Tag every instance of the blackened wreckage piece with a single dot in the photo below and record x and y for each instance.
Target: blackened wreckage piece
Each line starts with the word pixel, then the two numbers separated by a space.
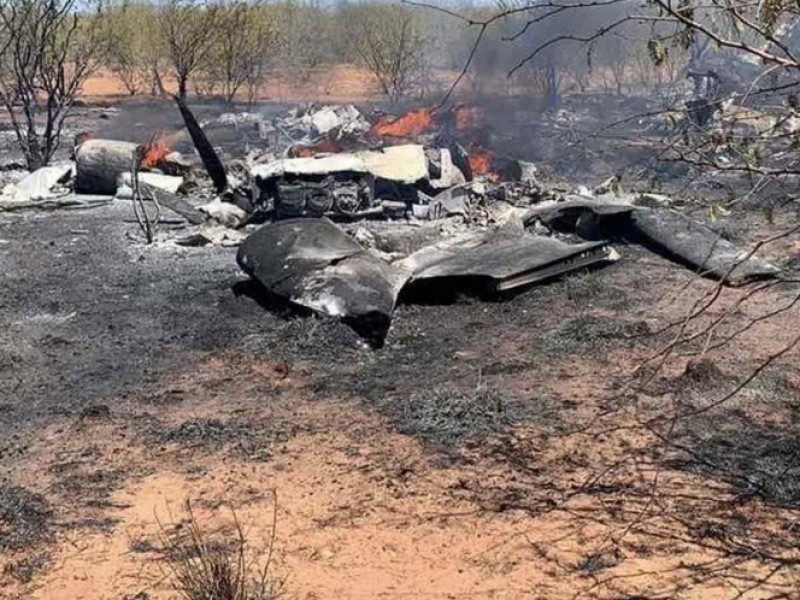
pixel 315 263
pixel 205 150
pixel 675 236
pixel 661 230
pixel 500 264
pixel 225 186
pixel 99 164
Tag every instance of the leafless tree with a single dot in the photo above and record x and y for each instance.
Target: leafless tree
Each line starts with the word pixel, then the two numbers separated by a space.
pixel 154 48
pixel 47 50
pixel 190 31
pixel 243 50
pixel 390 43
pixel 618 56
pixel 304 36
pixel 128 44
pixel 662 81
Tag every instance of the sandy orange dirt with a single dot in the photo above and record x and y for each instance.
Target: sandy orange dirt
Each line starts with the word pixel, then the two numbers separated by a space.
pixel 366 512
pixel 137 378
pixel 329 84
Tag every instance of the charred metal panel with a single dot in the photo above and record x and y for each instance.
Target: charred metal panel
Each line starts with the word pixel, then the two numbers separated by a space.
pixel 315 264
pixel 693 243
pixel 506 263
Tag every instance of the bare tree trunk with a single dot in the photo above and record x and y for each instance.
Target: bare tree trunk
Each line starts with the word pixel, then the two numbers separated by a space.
pixel 182 86
pixel 158 83
pixel 34 157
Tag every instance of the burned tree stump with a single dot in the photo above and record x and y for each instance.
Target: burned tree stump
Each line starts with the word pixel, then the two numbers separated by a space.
pixel 99 163
pixel 208 155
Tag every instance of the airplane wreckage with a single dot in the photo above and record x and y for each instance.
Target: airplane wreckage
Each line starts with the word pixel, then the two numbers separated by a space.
pixel 353 212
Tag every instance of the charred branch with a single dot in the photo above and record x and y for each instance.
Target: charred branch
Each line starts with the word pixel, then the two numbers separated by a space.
pixel 174 203
pixel 211 161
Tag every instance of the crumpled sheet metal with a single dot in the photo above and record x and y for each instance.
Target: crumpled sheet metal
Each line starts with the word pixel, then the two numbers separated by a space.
pixel 662 230
pixel 575 204
pixel 346 118
pixel 671 233
pixel 168 183
pixel 313 165
pixel 404 164
pixel 38 186
pixel 306 124
pixel 587 217
pixel 449 174
pixel 315 264
pixel 505 262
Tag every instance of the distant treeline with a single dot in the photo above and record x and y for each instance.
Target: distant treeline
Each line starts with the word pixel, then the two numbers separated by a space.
pixel 232 48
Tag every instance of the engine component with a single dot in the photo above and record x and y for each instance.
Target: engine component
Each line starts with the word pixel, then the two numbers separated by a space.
pixel 342 194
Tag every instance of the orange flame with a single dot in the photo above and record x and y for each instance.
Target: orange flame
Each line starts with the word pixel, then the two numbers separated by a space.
pixel 156 151
pixel 481 163
pixel 410 124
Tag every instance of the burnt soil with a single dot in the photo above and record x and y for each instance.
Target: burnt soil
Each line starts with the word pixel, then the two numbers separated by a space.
pixel 125 366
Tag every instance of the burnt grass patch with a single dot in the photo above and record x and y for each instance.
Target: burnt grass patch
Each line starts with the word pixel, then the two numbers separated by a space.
pixel 425 338
pixel 26 568
pixel 751 442
pixel 246 439
pixel 89 488
pixel 588 333
pixel 322 340
pixel 593 288
pixel 25 518
pixel 754 458
pixel 438 347
pixel 448 415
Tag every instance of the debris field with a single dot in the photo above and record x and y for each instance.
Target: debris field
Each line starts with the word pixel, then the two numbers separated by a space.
pixel 341 214
pixel 398 327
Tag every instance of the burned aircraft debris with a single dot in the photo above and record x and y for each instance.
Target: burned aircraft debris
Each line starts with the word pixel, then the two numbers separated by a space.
pixel 315 264
pixel 341 185
pixel 205 150
pixel 100 163
pixel 503 263
pixel 357 209
pixel 692 243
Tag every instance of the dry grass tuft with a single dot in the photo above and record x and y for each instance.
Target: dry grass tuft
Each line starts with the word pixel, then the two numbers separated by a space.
pixel 202 568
